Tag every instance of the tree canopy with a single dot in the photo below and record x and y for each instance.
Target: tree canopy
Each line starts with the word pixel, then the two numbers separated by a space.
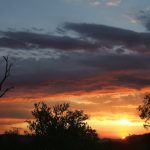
pixel 59 124
pixel 60 121
pixel 144 110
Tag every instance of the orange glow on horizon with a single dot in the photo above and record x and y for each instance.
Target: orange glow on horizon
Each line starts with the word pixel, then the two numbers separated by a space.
pixel 111 114
pixel 118 128
pixel 114 91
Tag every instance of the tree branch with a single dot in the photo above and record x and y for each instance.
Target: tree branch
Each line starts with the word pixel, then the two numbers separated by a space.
pixel 7 72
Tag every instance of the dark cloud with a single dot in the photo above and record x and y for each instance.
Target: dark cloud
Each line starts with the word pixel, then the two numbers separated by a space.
pixel 144 17
pixel 132 81
pixel 30 40
pixel 109 36
pixel 12 43
pixel 118 62
pixel 78 72
pixel 75 71
pixel 120 50
pixel 89 37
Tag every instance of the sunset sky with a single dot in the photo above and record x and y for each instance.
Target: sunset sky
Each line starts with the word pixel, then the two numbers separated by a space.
pixel 94 54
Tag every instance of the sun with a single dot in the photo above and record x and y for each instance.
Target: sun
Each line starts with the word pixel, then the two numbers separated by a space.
pixel 124 122
pixel 123 138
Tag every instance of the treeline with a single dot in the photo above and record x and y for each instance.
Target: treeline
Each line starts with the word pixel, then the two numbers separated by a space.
pixel 28 142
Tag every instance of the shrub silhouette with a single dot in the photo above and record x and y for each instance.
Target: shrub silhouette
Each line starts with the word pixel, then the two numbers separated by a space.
pixel 57 119
pixel 144 110
pixel 12 132
pixel 58 124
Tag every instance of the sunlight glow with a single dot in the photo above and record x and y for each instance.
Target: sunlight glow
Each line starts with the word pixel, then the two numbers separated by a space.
pixel 124 122
pixel 123 137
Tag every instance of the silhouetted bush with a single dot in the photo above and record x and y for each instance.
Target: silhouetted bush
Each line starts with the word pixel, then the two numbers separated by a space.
pixel 12 132
pixel 61 127
pixel 144 110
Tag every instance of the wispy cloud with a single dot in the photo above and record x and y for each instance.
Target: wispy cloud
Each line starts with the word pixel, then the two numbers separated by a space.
pixel 113 2
pixel 109 3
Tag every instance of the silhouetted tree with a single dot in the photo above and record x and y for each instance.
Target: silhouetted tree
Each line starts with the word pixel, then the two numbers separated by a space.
pixel 144 110
pixel 60 121
pixel 7 70
pixel 13 131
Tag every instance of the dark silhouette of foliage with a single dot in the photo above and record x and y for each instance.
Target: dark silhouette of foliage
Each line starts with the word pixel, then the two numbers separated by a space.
pixel 7 71
pixel 14 131
pixel 58 124
pixel 144 110
pixel 59 120
pixel 23 142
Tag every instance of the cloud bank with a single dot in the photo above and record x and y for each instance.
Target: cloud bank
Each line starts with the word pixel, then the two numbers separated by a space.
pixel 84 57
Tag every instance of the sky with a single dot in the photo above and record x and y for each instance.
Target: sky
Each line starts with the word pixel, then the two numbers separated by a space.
pixel 93 54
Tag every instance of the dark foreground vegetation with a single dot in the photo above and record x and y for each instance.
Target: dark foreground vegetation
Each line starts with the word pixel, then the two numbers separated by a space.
pixel 20 142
